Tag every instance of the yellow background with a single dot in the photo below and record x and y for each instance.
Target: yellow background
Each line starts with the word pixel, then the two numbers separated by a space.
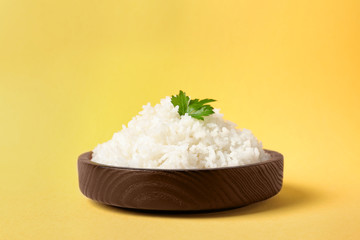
pixel 72 72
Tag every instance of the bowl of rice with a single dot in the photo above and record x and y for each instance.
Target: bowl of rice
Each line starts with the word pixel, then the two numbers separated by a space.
pixel 167 161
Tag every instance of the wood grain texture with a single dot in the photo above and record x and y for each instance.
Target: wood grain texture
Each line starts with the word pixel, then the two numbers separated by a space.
pixel 180 190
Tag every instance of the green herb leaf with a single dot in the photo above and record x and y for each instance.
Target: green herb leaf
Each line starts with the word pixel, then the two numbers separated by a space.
pixel 195 108
pixel 182 101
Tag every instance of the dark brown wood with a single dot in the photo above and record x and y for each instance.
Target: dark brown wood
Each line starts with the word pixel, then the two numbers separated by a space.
pixel 180 189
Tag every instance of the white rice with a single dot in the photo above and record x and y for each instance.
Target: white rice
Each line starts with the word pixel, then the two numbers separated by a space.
pixel 160 138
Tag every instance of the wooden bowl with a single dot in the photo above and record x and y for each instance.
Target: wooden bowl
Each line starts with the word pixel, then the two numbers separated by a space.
pixel 180 189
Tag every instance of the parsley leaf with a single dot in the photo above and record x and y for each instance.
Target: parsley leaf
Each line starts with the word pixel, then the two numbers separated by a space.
pixel 195 108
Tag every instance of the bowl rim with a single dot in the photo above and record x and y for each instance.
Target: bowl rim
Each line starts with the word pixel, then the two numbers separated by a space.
pixel 274 156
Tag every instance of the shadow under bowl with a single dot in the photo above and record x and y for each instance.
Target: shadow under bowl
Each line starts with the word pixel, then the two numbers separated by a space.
pixel 180 189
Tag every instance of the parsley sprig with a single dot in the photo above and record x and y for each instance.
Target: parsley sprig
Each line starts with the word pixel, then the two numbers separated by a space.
pixel 195 108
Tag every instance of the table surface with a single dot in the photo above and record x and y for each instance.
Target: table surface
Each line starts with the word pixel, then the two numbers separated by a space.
pixel 72 72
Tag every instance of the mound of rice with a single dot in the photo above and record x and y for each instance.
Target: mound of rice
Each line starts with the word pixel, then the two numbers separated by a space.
pixel 160 138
